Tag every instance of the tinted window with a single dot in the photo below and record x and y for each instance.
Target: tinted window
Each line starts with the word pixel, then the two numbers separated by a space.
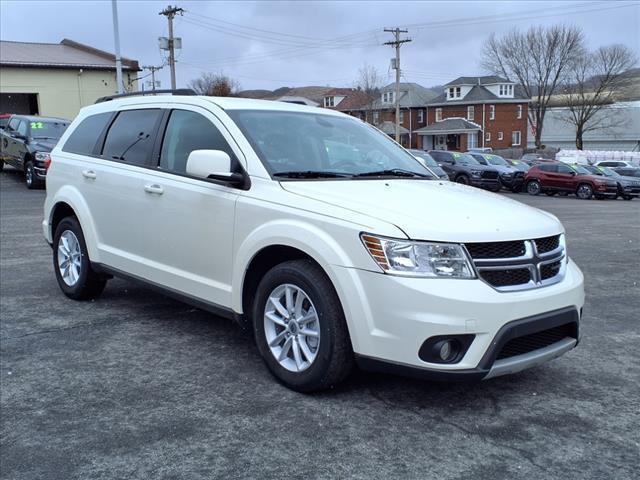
pixel 83 139
pixel 130 138
pixel 547 168
pixel 22 128
pixel 13 124
pixel 564 169
pixel 188 131
pixel 440 156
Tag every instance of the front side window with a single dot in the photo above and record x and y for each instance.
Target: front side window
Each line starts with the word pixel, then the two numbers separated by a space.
pixel 188 131
pixel 130 138
pixel 515 138
pixel 22 128
pixel 13 124
pixel 564 169
pixel 84 137
pixel 290 142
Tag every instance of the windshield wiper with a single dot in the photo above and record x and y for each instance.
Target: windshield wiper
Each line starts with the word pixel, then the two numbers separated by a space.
pixel 311 174
pixel 393 172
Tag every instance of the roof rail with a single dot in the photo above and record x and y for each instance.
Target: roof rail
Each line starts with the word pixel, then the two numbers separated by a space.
pixel 179 91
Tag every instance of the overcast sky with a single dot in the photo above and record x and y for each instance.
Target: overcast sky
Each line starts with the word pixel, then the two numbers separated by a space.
pixel 272 44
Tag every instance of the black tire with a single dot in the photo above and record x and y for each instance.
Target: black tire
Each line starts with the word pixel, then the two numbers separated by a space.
pixel 517 189
pixel 90 283
pixel 534 187
pixel 584 191
pixel 463 179
pixel 627 197
pixel 30 179
pixel 1 165
pixel 334 355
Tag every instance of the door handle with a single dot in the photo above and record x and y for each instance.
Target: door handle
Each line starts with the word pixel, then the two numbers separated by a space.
pixel 154 188
pixel 89 174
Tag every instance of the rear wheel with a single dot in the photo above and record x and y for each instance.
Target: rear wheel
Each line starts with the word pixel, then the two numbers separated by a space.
pixel 71 263
pixel 627 197
pixel 299 327
pixel 584 191
pixel 533 187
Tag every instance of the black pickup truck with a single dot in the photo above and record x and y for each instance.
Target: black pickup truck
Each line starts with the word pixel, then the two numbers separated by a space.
pixel 25 143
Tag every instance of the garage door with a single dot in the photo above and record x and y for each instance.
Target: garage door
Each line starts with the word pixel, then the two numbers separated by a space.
pixel 19 103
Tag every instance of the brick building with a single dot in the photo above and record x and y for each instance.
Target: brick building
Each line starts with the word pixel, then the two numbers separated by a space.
pixel 473 112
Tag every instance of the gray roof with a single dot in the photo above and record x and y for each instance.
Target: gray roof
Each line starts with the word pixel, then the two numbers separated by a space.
pixel 478 80
pixel 480 94
pixel 390 128
pixel 66 54
pixel 411 95
pixel 449 125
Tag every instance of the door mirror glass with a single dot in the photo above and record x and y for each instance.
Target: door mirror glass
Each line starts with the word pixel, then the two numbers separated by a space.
pixel 209 164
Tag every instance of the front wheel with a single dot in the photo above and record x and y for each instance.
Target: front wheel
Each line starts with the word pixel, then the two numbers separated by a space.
pixel 1 165
pixel 74 274
pixel 533 187
pixel 463 179
pixel 584 191
pixel 627 197
pixel 30 179
pixel 299 327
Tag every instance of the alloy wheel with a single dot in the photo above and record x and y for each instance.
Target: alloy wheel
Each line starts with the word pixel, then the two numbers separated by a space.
pixel 584 192
pixel 69 258
pixel 533 188
pixel 292 327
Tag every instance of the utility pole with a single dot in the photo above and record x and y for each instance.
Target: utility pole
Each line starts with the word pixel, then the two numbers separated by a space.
pixel 116 35
pixel 397 42
pixel 153 75
pixel 171 12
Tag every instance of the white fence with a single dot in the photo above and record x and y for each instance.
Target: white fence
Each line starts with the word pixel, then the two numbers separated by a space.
pixel 589 157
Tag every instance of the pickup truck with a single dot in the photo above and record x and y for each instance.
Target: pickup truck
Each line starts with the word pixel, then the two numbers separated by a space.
pixel 25 143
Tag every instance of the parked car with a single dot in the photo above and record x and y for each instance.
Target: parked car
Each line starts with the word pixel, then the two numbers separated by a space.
pixel 25 144
pixel 518 165
pixel 613 164
pixel 552 178
pixel 510 177
pixel 428 161
pixel 237 206
pixel 628 187
pixel 628 171
pixel 481 149
pixel 463 168
pixel 4 119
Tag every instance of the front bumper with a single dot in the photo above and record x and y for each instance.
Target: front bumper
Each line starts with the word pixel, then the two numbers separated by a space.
pixel 514 181
pixel 488 183
pixel 391 317
pixel 606 190
pixel 631 190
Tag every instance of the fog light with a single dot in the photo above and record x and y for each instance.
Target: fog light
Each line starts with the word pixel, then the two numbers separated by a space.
pixel 446 350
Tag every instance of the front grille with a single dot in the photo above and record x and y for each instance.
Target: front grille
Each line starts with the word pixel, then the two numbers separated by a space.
pixel 549 270
pixel 506 278
pixel 490 175
pixel 496 249
pixel 547 244
pixel 536 341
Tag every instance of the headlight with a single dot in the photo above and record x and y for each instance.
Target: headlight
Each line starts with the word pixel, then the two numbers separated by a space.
pixel 476 173
pixel 420 259
pixel 42 156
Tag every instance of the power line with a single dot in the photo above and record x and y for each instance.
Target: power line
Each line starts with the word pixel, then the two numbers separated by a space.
pixel 170 12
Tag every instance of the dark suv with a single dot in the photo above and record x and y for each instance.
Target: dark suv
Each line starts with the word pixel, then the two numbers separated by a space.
pixel 463 168
pixel 552 178
pixel 628 187
pixel 510 177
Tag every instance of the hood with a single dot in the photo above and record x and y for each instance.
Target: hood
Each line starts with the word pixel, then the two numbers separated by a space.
pixel 43 145
pixel 433 210
pixel 598 178
pixel 628 180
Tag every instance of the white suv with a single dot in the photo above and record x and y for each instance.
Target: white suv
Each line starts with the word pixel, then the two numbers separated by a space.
pixel 335 244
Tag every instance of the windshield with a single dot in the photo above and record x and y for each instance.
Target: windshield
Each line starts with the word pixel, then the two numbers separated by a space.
pixel 495 160
pixel 47 129
pixel 607 172
pixel 425 157
pixel 465 159
pixel 519 165
pixel 319 145
pixel 581 170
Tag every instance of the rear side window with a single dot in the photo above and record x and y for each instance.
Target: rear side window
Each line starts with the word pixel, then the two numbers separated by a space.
pixel 83 139
pixel 130 138
pixel 188 131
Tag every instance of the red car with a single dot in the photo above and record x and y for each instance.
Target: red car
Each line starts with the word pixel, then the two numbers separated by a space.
pixel 557 177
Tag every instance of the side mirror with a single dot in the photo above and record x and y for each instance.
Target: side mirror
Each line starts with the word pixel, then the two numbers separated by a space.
pixel 572 173
pixel 213 165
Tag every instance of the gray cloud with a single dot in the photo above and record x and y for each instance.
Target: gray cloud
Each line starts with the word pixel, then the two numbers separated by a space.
pixel 311 48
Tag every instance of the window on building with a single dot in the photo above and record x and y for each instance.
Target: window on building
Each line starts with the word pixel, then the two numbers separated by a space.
pixel 438 114
pixel 420 116
pixel 510 89
pixel 329 101
pixel 457 92
pixel 401 116
pixel 515 138
pixel 487 137
pixel 83 139
pixel 188 131
pixel 519 112
pixel 500 136
pixel 501 90
pixel 472 140
pixel 470 112
pixel 376 117
pixel 451 92
pixel 130 138
pixel 492 112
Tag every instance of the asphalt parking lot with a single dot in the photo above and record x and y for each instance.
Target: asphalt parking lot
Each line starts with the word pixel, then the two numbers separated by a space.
pixel 136 385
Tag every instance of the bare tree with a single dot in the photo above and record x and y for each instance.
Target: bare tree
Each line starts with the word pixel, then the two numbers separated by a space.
pixel 538 59
pixel 369 84
pixel 214 85
pixel 590 89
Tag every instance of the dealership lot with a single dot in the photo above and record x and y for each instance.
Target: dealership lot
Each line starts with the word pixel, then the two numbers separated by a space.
pixel 136 385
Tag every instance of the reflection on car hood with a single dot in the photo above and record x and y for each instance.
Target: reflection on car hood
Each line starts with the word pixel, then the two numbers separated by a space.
pixel 43 145
pixel 433 210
